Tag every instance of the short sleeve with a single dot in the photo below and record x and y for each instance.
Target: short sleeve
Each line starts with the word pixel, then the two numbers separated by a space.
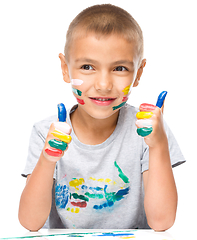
pixel 176 155
pixel 36 145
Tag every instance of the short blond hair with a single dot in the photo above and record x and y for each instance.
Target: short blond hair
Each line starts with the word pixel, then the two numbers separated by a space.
pixel 103 20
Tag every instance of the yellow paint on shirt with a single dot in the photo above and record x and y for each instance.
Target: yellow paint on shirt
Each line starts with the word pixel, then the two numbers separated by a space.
pixel 76 182
pixel 100 180
pixel 76 210
pixel 107 180
pixel 91 178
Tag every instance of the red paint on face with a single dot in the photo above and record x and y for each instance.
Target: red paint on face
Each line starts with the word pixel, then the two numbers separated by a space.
pixel 124 99
pixel 80 101
pixel 79 204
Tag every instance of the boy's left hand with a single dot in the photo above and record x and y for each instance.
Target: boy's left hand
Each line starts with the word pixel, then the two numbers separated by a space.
pixel 154 120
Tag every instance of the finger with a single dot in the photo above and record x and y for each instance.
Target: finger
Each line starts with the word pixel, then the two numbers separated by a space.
pixel 142 115
pixel 161 99
pixel 145 107
pixel 54 143
pixel 53 152
pixel 144 123
pixel 62 136
pixel 162 108
pixel 63 127
pixel 144 127
pixel 143 132
pixel 61 112
pixel 60 130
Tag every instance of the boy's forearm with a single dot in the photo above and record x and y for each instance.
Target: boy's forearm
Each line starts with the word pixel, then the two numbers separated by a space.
pixel 160 191
pixel 36 199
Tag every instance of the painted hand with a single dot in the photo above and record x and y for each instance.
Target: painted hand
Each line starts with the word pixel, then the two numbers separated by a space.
pixel 150 121
pixel 54 148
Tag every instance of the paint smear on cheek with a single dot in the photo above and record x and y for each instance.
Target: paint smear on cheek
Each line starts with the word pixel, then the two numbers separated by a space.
pixel 76 82
pixel 80 101
pixel 126 90
pixel 77 91
pixel 124 99
pixel 119 106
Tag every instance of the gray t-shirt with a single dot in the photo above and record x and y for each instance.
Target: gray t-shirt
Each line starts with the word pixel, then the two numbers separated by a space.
pixel 99 186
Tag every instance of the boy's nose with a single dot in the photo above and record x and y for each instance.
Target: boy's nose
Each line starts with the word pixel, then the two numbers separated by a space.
pixel 103 83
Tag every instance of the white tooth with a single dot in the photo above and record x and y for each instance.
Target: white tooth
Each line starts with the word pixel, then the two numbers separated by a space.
pixel 102 99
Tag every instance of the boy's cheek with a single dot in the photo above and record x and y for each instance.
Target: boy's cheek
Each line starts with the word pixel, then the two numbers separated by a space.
pixel 126 93
pixel 77 89
pixel 127 89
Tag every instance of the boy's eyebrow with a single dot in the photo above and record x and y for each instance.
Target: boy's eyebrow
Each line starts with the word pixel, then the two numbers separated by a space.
pixel 123 62
pixel 85 60
pixel 96 62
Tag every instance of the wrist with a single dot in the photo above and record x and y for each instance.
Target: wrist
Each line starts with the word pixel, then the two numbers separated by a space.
pixel 46 161
pixel 160 145
pixel 159 153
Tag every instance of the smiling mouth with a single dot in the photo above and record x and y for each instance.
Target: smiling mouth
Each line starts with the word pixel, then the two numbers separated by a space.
pixel 103 99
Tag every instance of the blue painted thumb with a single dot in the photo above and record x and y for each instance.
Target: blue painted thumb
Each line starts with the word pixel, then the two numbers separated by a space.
pixel 61 112
pixel 161 99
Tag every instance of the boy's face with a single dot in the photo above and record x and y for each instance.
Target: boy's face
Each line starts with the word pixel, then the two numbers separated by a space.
pixel 102 72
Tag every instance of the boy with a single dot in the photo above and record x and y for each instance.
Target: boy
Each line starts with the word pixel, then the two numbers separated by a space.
pixel 108 176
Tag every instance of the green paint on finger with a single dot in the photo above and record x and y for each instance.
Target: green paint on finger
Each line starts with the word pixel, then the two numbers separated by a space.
pixel 143 132
pixel 58 144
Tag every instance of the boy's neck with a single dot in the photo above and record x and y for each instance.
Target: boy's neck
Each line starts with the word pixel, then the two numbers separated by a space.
pixel 92 131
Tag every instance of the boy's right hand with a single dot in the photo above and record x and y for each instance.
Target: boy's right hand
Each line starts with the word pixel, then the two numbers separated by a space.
pixel 58 137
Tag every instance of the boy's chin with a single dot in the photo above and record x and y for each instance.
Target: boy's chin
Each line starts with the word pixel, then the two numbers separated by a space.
pixel 100 114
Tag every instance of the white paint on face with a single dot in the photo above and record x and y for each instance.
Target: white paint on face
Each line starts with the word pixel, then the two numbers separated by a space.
pixel 76 82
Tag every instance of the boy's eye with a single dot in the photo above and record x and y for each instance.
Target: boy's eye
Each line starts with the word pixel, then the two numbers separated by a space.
pixel 120 68
pixel 87 67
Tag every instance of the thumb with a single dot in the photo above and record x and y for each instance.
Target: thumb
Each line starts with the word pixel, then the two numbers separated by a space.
pixel 61 124
pixel 162 108
pixel 61 112
pixel 160 100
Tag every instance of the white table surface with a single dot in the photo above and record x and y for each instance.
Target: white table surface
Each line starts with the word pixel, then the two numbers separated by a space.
pixel 60 234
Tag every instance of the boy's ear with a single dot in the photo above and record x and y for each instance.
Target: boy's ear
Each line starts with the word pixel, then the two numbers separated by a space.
pixel 64 68
pixel 139 73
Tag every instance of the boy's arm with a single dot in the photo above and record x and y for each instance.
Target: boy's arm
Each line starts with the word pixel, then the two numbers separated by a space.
pixel 160 199
pixel 36 199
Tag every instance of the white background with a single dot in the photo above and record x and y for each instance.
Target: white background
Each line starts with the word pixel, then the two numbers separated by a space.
pixel 32 34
